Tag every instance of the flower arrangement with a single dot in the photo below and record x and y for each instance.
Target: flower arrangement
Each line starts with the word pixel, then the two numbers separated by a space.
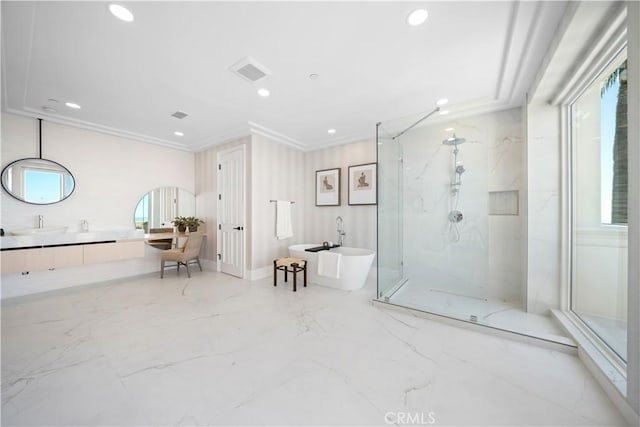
pixel 182 222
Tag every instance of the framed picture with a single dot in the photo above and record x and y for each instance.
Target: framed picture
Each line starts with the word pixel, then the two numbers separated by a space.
pixel 328 187
pixel 363 184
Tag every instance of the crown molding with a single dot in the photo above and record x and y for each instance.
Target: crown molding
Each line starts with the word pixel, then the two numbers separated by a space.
pixel 235 132
pixel 258 129
pixel 34 113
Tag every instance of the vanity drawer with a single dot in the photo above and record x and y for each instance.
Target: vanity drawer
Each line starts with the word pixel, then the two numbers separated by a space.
pixel 118 251
pixel 22 260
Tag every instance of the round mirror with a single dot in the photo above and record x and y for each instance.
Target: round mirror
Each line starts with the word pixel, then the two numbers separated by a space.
pixel 37 181
pixel 158 208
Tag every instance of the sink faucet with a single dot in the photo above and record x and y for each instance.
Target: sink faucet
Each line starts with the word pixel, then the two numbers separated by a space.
pixel 340 230
pixel 40 221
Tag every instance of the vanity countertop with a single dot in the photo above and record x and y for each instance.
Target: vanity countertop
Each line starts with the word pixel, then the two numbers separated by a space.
pixel 67 239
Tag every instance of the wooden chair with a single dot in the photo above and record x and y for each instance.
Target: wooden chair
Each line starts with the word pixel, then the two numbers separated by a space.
pixel 189 253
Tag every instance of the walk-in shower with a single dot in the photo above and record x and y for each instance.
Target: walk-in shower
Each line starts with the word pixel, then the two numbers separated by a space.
pixel 449 225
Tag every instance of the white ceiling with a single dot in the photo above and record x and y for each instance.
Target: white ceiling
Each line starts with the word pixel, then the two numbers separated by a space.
pixel 372 66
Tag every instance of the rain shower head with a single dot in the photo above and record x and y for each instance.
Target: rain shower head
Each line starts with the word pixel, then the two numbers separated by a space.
pixel 453 140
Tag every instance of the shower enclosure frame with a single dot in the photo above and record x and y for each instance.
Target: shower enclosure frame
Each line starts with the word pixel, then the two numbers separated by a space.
pixel 475 279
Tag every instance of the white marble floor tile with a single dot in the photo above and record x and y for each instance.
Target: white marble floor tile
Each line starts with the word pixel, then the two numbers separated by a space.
pixel 490 312
pixel 215 350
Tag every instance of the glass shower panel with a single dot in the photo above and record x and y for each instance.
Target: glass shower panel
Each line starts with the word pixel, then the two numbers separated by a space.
pixel 390 266
pixel 449 224
pixel 445 217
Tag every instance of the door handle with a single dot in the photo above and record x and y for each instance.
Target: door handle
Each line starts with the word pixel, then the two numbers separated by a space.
pixel 238 228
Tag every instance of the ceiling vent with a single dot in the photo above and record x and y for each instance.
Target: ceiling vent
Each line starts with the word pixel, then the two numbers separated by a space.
pixel 179 115
pixel 250 69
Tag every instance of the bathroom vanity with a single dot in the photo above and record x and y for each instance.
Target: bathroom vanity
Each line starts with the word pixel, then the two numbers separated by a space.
pixel 23 254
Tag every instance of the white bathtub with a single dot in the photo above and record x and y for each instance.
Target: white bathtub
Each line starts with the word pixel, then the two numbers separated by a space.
pixel 354 266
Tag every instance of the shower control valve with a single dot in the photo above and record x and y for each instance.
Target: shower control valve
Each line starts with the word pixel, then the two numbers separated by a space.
pixel 455 216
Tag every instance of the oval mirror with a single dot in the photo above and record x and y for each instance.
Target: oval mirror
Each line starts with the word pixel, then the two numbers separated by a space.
pixel 37 181
pixel 158 208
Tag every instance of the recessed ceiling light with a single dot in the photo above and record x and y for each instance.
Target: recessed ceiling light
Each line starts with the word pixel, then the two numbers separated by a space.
pixel 49 109
pixel 178 133
pixel 442 101
pixel 417 17
pixel 263 92
pixel 53 100
pixel 443 112
pixel 121 12
pixel 331 131
pixel 313 76
pixel 72 105
pixel 449 129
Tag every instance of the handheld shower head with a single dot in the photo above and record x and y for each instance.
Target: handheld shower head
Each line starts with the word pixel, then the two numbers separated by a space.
pixel 460 169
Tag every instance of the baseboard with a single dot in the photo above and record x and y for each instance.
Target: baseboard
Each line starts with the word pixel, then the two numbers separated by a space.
pixel 259 273
pixel 209 264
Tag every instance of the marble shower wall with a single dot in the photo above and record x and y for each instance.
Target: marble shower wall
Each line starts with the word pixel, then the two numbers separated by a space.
pixel 481 256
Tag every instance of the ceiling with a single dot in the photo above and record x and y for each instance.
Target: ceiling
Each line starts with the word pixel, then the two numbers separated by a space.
pixel 130 77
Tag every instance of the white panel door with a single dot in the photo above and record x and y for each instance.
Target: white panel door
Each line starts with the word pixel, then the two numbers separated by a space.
pixel 231 207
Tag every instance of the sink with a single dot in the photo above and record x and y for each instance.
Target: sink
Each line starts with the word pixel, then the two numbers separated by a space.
pixel 45 230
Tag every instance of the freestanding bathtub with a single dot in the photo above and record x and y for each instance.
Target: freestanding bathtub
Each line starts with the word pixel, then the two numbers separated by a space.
pixel 354 266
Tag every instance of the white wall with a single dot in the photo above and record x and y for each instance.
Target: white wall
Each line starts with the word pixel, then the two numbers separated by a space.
pixel 320 221
pixel 273 171
pixel 277 174
pixel 111 175
pixel 543 207
pixel 581 31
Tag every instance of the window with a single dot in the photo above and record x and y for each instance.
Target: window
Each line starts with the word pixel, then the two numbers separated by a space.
pixel 613 166
pixel 599 233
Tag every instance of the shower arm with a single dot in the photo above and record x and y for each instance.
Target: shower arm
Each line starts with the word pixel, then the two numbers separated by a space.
pixel 416 123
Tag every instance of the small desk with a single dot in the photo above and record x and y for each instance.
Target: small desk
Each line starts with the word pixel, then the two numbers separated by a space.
pixel 166 236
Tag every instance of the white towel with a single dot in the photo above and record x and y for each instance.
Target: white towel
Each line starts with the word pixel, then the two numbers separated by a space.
pixel 329 264
pixel 284 229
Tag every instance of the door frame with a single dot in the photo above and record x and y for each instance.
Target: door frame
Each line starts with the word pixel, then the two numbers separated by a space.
pixel 243 149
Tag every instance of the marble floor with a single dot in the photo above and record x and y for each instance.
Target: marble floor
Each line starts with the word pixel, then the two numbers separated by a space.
pixel 214 350
pixel 492 312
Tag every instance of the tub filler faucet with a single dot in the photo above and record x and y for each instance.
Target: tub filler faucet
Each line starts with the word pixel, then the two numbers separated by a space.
pixel 340 230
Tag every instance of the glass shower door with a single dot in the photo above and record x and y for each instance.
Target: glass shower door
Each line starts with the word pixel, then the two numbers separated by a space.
pixel 390 265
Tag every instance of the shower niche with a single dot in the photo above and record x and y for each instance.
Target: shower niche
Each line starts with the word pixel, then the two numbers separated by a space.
pixel 443 247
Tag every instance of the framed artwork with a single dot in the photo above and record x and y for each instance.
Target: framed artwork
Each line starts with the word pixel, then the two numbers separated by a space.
pixel 363 184
pixel 328 187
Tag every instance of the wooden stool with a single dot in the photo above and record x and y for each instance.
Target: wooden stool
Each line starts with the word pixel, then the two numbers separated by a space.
pixel 290 265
